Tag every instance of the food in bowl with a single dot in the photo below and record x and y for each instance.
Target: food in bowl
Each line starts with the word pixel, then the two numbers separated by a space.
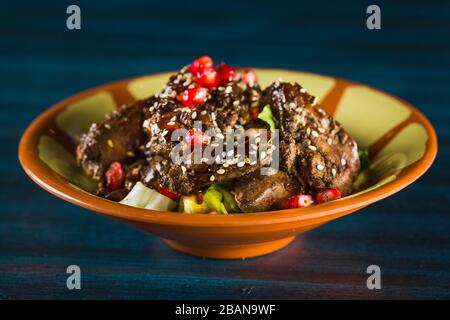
pixel 285 151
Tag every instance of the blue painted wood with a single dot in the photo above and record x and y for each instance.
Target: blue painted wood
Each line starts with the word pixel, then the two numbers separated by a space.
pixel 42 62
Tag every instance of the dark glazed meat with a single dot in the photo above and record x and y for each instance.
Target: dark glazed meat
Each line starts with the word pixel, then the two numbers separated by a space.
pixel 117 138
pixel 226 107
pixel 314 148
pixel 260 193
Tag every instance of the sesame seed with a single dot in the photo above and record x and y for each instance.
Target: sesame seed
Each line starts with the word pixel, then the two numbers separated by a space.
pixel 241 164
pixel 107 126
pixel 225 165
pixel 130 154
pixel 314 133
pixel 333 171
pixel 308 131
pixel 229 89
pixel 149 176
pixel 170 123
pixel 321 130
pixel 212 178
pixel 313 148
pixel 110 143
pixel 221 171
pixel 183 168
pixel 330 141
pixel 302 90
pixel 343 162
pixel 203 112
pixel 236 103
pixel 320 167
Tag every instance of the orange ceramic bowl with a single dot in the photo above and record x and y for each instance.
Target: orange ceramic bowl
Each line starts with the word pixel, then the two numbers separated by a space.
pixel 401 141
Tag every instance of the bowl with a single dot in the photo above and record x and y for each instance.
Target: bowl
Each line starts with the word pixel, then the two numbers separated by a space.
pixel 401 141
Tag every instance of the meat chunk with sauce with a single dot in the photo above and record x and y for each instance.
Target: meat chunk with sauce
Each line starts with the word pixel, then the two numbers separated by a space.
pixel 314 148
pixel 226 107
pixel 117 138
pixel 256 193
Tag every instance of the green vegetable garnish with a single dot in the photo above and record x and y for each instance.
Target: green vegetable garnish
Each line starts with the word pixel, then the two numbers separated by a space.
pixel 220 200
pixel 213 199
pixel 228 199
pixel 267 116
pixel 188 204
pixel 142 197
pixel 364 158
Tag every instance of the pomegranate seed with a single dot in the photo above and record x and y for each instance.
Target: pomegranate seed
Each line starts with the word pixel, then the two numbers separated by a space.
pixel 115 176
pixel 166 192
pixel 227 73
pixel 194 137
pixel 249 77
pixel 192 97
pixel 208 78
pixel 328 194
pixel 298 201
pixel 254 112
pixel 200 63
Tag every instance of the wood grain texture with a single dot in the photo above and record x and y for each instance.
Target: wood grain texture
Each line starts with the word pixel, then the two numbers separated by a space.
pixel 41 62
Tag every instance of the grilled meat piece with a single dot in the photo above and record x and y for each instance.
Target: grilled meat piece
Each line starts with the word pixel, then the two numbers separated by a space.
pixel 226 107
pixel 117 138
pixel 314 148
pixel 260 193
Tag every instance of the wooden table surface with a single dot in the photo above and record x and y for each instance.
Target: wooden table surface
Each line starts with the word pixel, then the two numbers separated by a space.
pixel 41 62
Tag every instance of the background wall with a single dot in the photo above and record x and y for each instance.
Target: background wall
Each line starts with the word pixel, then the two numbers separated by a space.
pixel 42 62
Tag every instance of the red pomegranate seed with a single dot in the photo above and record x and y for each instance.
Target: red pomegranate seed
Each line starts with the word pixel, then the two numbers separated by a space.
pixel 200 63
pixel 192 97
pixel 194 137
pixel 208 78
pixel 254 112
pixel 249 77
pixel 227 73
pixel 328 194
pixel 115 176
pixel 299 201
pixel 166 192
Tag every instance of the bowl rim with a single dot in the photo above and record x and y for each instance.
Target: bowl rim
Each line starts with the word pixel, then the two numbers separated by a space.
pixel 41 174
